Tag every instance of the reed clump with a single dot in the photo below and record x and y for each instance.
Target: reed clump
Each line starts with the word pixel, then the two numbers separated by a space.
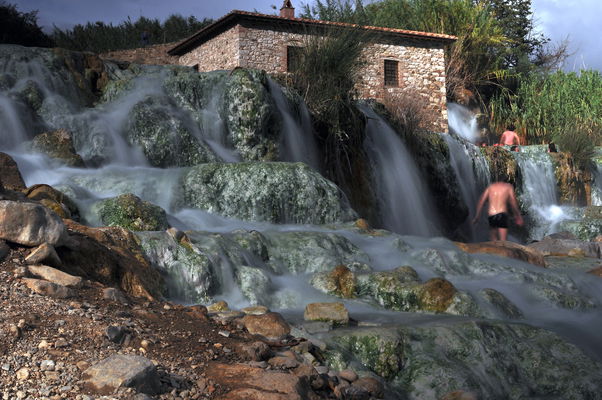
pixel 564 108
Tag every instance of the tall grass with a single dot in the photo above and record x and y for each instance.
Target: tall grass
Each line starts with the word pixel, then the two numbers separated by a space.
pixel 565 108
pixel 325 77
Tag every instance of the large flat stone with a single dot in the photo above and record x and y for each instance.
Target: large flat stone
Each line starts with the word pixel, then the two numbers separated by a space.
pixel 124 371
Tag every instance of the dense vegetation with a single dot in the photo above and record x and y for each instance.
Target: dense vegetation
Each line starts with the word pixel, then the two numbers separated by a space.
pixel 100 37
pixel 565 108
pixel 325 77
pixel 499 61
pixel 21 28
pixel 495 42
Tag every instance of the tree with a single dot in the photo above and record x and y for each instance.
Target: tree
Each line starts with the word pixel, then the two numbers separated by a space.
pixel 100 37
pixel 21 28
pixel 515 18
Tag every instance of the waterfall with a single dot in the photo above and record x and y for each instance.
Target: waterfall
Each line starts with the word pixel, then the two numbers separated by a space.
pixel 597 178
pixel 538 194
pixel 298 144
pixel 405 204
pixel 463 122
pixel 472 172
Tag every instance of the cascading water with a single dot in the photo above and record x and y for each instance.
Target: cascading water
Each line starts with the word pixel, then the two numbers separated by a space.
pixel 463 122
pixel 597 179
pixel 539 189
pixel 472 172
pixel 404 201
pixel 287 266
pixel 298 143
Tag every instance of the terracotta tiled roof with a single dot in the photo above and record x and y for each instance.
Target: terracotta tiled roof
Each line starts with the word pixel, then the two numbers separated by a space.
pixel 207 32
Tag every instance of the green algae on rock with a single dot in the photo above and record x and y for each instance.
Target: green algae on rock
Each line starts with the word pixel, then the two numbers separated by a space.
pixel 495 360
pixel 130 212
pixel 270 191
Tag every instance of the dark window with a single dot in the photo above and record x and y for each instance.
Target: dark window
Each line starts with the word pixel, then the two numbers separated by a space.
pixel 391 73
pixel 293 58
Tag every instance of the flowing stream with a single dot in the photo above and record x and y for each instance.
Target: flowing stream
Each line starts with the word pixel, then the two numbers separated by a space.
pixel 279 265
pixel 539 191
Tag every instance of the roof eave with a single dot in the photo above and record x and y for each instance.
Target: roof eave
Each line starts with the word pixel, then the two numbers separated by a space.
pixel 230 18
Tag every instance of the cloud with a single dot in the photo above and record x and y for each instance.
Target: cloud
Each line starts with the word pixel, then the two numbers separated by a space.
pixel 579 21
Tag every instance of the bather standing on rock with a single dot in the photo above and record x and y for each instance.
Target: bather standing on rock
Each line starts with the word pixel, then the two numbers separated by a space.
pixel 510 138
pixel 499 194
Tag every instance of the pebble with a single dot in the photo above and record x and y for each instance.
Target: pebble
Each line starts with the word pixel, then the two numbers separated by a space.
pixel 224 333
pixel 47 365
pixel 23 374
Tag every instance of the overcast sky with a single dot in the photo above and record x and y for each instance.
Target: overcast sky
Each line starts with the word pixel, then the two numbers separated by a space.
pixel 579 20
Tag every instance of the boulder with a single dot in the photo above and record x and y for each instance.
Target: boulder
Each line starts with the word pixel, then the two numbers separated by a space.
pixel 112 256
pixel 552 246
pixel 10 176
pixel 30 224
pixel 506 249
pixel 335 312
pixel 254 283
pixel 124 371
pixel 166 138
pixel 251 116
pixel 430 361
pixel 194 274
pixel 270 325
pixel 44 254
pixel 58 144
pixel 306 252
pixel 55 276
pixel 54 199
pixel 133 213
pixel 268 191
pixel 248 383
pixel 50 289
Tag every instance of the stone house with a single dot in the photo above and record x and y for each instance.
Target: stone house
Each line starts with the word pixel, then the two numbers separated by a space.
pixel 398 62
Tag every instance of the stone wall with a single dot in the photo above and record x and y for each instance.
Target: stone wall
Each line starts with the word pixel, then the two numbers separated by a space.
pixel 421 68
pixel 155 55
pixel 421 76
pixel 219 53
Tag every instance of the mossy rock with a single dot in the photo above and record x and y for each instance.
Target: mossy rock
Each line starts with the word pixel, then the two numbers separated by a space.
pixel 502 165
pixel 250 115
pixel 58 144
pixel 130 212
pixel 270 192
pixel 166 139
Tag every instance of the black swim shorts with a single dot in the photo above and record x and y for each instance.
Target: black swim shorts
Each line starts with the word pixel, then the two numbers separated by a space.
pixel 498 220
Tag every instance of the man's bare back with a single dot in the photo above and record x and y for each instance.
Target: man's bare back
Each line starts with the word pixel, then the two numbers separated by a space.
pixel 499 195
pixel 509 138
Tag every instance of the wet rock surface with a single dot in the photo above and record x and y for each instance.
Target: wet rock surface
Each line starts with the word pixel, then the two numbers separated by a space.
pixel 89 346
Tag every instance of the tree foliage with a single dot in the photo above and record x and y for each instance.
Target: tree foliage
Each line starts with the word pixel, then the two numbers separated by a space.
pixel 21 28
pixel 100 37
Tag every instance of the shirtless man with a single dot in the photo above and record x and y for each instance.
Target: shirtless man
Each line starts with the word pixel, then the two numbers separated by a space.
pixel 509 138
pixel 499 194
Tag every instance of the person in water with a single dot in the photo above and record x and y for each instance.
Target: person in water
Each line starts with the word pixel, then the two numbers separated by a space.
pixel 499 194
pixel 510 138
